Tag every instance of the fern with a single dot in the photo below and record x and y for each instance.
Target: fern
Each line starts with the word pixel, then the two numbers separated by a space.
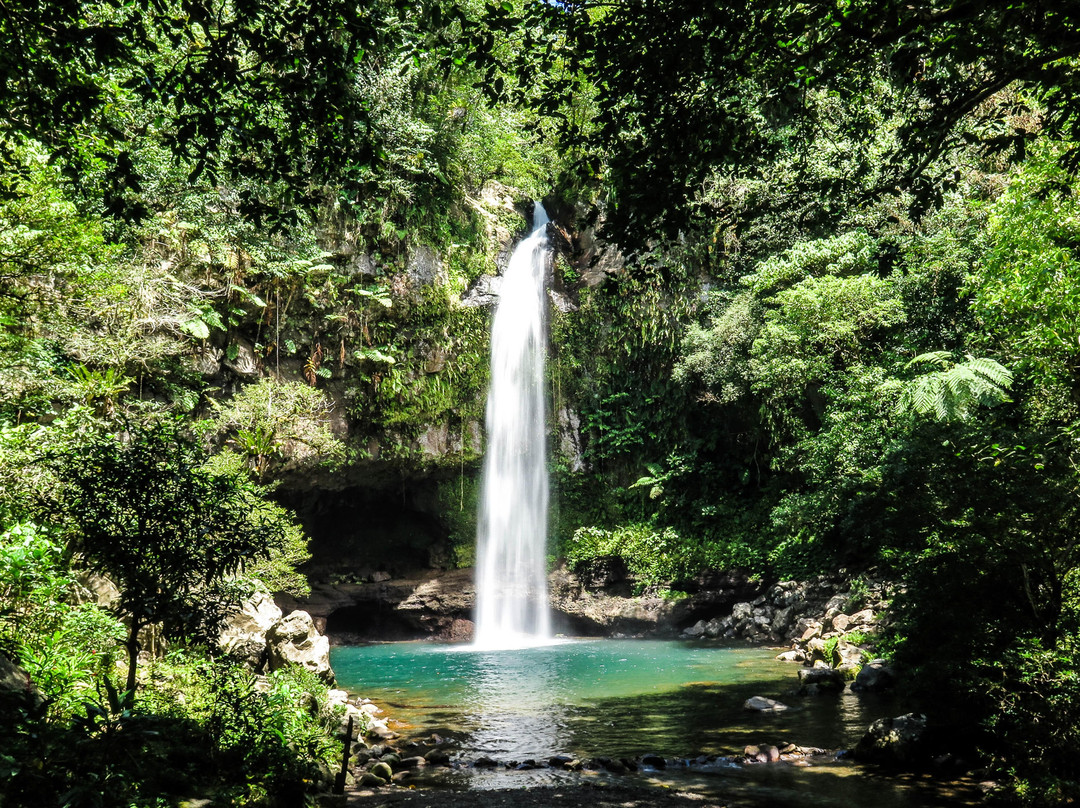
pixel 953 391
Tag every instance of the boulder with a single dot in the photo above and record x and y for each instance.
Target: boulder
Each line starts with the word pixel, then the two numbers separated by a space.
pixel 243 635
pixel 781 620
pixel 93 587
pixel 761 754
pixel 875 675
pixel 293 640
pixel 16 682
pixel 815 648
pixel 653 760
pixel 378 729
pixel 786 594
pixel 760 704
pixel 893 741
pixel 696 630
pixel 821 679
pixel 850 655
pixel 840 622
pixel 383 770
pixel 741 611
pixel 863 618
pixel 761 624
pixel 437 757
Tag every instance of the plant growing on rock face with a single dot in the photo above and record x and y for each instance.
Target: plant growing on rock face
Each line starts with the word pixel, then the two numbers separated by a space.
pixel 272 419
pixel 146 513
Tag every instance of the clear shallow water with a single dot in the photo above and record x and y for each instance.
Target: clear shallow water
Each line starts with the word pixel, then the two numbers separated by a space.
pixel 623 698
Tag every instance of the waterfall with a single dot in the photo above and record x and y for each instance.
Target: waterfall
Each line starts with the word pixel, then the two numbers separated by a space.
pixel 511 568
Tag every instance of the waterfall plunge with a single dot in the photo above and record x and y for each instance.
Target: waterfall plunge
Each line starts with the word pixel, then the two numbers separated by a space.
pixel 511 577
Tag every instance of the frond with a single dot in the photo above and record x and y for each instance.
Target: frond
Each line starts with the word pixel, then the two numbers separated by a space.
pixel 992 371
pixel 951 393
pixel 939 359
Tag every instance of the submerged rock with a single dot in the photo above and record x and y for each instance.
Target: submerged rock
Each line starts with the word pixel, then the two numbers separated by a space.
pixel 760 704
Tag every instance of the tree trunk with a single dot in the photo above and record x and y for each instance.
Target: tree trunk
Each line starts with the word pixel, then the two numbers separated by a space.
pixel 132 646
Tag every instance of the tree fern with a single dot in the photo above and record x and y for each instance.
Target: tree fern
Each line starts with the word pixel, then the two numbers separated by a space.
pixel 954 389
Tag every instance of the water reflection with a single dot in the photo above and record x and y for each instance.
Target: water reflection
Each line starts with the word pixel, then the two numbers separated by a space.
pixel 515 707
pixel 625 698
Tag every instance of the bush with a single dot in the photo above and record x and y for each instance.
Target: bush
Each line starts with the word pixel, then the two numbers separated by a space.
pixel 203 727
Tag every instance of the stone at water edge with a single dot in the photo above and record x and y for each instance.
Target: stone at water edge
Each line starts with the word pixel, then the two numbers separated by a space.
pixel 653 760
pixel 437 757
pixel 893 741
pixel 875 675
pixel 760 704
pixel 295 640
pixel 824 678
pixel 696 630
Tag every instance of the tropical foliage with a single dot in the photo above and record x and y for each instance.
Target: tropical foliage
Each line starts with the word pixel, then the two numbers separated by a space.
pixel 814 306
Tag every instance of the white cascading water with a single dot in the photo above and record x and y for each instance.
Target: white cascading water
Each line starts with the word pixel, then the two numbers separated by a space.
pixel 511 576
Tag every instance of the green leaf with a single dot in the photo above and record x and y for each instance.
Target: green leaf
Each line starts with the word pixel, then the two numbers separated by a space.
pixel 196 327
pixel 248 295
pixel 374 355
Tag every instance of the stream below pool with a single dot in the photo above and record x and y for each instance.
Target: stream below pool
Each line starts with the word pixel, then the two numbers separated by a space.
pixel 625 698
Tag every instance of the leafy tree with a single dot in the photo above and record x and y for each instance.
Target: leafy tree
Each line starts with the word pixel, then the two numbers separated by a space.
pixel 1025 290
pixel 688 93
pixel 255 93
pixel 144 512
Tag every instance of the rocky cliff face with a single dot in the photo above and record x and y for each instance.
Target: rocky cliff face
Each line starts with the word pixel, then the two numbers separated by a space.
pixel 386 509
pixel 438 605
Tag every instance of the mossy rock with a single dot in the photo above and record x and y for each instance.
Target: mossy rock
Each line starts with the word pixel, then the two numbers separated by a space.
pixel 383 771
pixel 367 779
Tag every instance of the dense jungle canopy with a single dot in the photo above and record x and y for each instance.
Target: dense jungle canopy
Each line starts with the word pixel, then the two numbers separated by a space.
pixel 821 267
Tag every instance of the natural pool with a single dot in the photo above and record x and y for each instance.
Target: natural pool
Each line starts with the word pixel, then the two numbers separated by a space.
pixel 623 698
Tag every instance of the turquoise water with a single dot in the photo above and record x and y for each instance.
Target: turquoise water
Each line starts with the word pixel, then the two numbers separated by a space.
pixel 623 698
pixel 587 697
